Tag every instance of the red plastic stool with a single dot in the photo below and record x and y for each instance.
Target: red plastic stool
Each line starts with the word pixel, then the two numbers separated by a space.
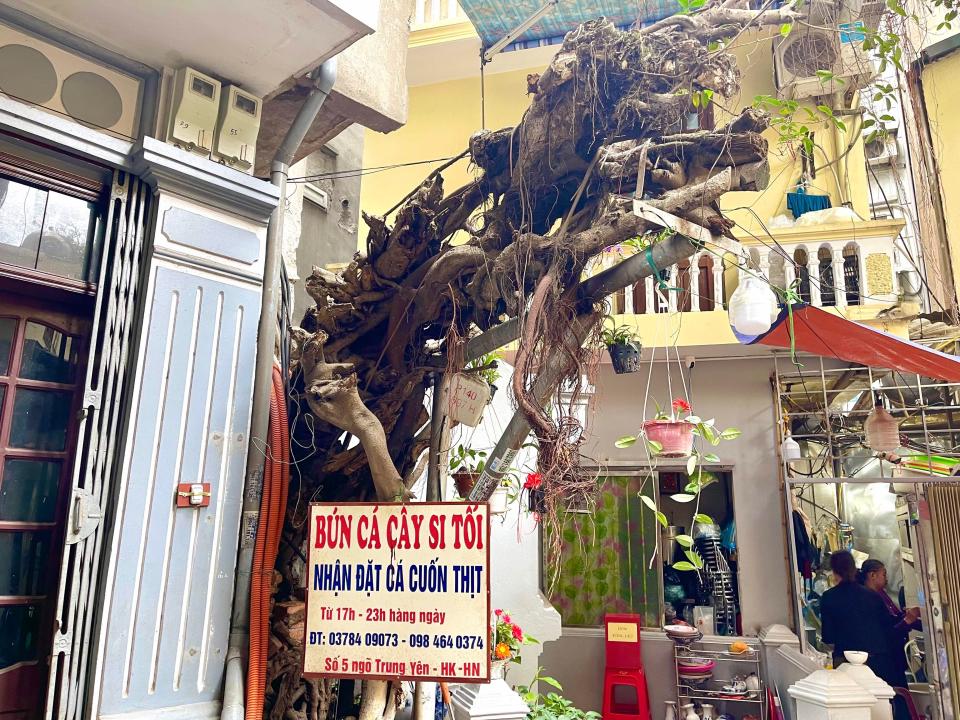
pixel 624 684
pixel 625 695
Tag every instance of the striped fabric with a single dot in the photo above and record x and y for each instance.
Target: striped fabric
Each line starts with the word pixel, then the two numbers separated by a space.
pixel 495 18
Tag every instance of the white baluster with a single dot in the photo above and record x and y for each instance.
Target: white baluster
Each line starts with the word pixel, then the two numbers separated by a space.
pixel 648 289
pixel 789 273
pixel 452 10
pixel 839 279
pixel 419 16
pixel 434 12
pixel 718 297
pixel 628 300
pixel 695 283
pixel 813 272
pixel 671 293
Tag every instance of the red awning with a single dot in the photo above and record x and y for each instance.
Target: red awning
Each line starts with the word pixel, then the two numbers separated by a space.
pixel 822 333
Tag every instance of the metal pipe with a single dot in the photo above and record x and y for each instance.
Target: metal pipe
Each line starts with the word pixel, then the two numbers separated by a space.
pixel 323 79
pixel 437 419
pixel 627 272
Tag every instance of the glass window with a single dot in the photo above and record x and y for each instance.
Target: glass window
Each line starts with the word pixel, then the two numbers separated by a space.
pixel 46 230
pixel 19 626
pixel 23 562
pixel 28 491
pixel 40 419
pixel 604 562
pixel 8 326
pixel 21 219
pixel 48 354
pixel 609 561
pixel 66 239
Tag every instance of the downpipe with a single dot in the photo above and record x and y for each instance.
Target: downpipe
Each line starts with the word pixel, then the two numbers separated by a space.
pixel 233 690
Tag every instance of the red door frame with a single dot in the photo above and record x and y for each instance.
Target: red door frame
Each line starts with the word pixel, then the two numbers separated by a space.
pixel 22 685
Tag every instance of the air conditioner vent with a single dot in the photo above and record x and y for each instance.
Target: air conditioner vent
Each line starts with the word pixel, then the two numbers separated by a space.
pixel 811 51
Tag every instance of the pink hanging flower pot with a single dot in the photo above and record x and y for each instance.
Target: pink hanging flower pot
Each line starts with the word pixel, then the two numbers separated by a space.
pixel 674 437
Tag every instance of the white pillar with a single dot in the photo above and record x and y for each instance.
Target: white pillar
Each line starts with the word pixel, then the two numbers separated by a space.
pixel 856 668
pixel 789 272
pixel 839 281
pixel 648 290
pixel 671 293
pixel 813 272
pixel 490 701
pixel 831 695
pixel 718 298
pixel 695 283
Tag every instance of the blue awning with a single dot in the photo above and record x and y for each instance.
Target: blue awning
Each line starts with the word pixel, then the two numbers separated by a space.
pixel 495 18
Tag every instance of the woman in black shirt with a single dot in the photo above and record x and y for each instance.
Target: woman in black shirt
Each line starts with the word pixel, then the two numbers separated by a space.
pixel 855 618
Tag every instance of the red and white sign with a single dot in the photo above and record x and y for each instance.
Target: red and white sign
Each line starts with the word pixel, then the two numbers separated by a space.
pixel 398 591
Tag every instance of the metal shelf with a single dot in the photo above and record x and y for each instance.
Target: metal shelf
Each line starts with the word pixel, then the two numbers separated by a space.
pixel 717 650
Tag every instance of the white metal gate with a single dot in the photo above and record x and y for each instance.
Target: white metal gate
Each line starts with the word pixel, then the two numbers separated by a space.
pixel 105 403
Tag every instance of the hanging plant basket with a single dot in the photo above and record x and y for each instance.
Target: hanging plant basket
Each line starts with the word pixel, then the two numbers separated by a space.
pixel 465 482
pixel 493 391
pixel 625 357
pixel 536 502
pixel 676 438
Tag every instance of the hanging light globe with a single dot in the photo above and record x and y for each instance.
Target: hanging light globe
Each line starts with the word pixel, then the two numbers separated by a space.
pixel 790 450
pixel 881 431
pixel 753 307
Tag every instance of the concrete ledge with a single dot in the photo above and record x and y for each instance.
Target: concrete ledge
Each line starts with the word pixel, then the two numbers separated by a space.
pixel 171 169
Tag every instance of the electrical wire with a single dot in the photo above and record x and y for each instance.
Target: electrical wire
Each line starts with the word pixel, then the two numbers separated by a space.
pixel 360 172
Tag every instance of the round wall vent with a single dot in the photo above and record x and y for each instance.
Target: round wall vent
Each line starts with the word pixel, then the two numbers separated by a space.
pixel 27 74
pixel 92 99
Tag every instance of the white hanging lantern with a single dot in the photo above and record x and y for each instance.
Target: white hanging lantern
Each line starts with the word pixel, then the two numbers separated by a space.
pixel 790 450
pixel 753 307
pixel 881 431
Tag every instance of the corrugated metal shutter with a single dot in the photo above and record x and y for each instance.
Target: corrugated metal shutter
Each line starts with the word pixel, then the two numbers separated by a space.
pixel 944 503
pixel 104 406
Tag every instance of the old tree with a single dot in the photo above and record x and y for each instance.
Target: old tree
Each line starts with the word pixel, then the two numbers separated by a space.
pixel 549 195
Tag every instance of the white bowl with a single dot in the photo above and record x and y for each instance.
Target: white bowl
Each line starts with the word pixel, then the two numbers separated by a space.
pixel 857 657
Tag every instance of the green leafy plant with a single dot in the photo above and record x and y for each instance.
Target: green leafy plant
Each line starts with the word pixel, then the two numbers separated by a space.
pixel 698 478
pixel 486 367
pixel 551 706
pixel 613 334
pixel 467 460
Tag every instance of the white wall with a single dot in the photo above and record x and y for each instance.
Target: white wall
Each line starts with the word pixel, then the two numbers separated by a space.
pixel 736 393
pixel 514 542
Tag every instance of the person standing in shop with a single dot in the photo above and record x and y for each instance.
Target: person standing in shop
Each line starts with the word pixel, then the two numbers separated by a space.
pixel 873 575
pixel 855 618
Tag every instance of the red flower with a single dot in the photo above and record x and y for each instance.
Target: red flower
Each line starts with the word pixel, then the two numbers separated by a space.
pixel 534 481
pixel 517 632
pixel 506 618
pixel 681 405
pixel 498 613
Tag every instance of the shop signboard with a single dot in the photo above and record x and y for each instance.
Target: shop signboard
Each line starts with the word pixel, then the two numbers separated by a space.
pixel 398 591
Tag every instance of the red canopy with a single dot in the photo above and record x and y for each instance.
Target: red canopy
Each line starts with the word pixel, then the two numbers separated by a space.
pixel 822 333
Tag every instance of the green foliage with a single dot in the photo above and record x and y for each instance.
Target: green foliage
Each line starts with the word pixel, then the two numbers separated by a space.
pixel 485 367
pixel 464 459
pixel 613 334
pixel 551 706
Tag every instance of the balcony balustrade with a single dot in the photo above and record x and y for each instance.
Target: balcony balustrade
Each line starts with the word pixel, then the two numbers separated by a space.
pixel 827 272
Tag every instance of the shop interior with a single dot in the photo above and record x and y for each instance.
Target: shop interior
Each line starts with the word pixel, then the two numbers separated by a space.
pixel 870 466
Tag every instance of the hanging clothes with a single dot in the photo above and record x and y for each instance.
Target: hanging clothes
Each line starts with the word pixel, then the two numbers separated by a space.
pixel 806 553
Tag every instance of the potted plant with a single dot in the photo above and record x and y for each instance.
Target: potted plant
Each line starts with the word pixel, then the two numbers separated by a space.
pixel 466 466
pixel 486 368
pixel 507 639
pixel 672 435
pixel 623 344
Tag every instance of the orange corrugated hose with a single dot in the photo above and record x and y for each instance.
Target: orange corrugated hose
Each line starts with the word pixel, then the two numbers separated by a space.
pixel 273 505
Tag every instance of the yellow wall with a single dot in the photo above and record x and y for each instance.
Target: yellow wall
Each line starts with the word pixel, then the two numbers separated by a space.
pixel 443 116
pixel 942 112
